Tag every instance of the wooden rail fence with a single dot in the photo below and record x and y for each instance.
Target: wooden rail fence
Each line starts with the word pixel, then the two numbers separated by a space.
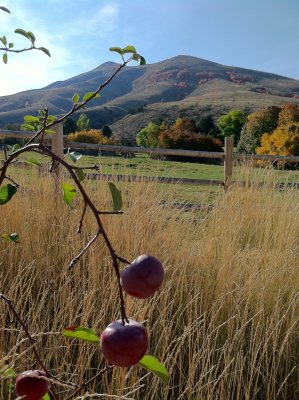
pixel 59 143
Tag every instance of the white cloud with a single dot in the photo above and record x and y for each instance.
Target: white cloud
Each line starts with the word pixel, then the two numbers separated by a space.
pixel 104 20
pixel 32 69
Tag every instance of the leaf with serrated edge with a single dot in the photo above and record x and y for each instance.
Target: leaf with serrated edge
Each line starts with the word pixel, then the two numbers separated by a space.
pixel 15 147
pixel 22 32
pixel 117 50
pixel 142 61
pixel 31 36
pixel 88 95
pixel 13 237
pixel 69 193
pixel 4 9
pixel 27 127
pixel 116 197
pixel 31 118
pixel 153 365
pixel 80 174
pixel 44 50
pixel 81 333
pixel 76 98
pixel 128 49
pixel 6 193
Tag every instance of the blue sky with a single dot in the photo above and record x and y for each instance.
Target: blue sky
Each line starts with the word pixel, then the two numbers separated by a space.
pixel 256 34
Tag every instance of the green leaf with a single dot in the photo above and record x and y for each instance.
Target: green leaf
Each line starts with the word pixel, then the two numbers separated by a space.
pixel 46 397
pixel 15 147
pixel 80 174
pixel 152 364
pixel 32 37
pixel 139 58
pixel 81 333
pixel 51 118
pixel 14 237
pixel 4 40
pixel 6 193
pixel 116 197
pixel 128 49
pixel 116 50
pixel 4 9
pixel 22 32
pixel 76 98
pixel 49 131
pixel 31 118
pixel 142 61
pixel 69 193
pixel 75 156
pixel 33 161
pixel 44 50
pixel 88 95
pixel 4 57
pixel 10 45
pixel 27 127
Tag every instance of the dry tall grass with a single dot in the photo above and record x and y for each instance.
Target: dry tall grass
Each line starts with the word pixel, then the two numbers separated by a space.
pixel 225 323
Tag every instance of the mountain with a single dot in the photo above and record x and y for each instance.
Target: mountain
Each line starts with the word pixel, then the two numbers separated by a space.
pixel 183 85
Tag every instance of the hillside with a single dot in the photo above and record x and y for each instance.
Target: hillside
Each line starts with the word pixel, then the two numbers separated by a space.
pixel 183 85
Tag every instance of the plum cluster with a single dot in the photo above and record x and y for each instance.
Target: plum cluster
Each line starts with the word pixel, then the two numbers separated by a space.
pixel 122 344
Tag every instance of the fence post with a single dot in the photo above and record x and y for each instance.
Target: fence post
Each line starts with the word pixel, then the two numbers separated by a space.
pixel 228 161
pixel 57 145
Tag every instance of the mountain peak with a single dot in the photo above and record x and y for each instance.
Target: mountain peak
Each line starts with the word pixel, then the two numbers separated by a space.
pixel 183 84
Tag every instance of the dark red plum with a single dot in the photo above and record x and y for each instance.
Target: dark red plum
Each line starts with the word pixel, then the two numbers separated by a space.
pixel 124 345
pixel 143 277
pixel 31 385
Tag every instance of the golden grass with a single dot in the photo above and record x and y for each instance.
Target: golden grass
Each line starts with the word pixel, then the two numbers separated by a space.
pixel 225 323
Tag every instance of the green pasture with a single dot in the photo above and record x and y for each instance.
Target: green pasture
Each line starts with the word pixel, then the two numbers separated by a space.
pixel 143 165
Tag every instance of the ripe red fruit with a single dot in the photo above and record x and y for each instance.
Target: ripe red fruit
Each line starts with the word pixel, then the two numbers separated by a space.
pixel 31 385
pixel 143 277
pixel 124 345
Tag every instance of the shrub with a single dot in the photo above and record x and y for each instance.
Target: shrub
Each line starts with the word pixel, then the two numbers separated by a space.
pixel 94 136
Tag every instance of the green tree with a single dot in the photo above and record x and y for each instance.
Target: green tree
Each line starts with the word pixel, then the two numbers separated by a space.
pixel 206 125
pixel 258 123
pixel 69 126
pixel 83 123
pixel 231 124
pixel 106 131
pixel 149 136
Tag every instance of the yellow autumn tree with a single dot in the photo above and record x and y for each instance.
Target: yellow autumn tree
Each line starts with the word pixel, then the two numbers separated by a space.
pixel 283 141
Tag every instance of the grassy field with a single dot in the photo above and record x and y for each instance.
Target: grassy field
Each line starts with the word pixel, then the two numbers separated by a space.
pixel 143 165
pixel 225 322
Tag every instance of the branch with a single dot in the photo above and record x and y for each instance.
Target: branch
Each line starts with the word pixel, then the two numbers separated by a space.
pixel 30 338
pixel 84 384
pixel 80 105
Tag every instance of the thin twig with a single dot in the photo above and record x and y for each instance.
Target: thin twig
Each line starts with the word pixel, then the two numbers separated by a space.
pixel 12 181
pixel 82 218
pixel 44 125
pixel 80 105
pixel 30 338
pixel 85 384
